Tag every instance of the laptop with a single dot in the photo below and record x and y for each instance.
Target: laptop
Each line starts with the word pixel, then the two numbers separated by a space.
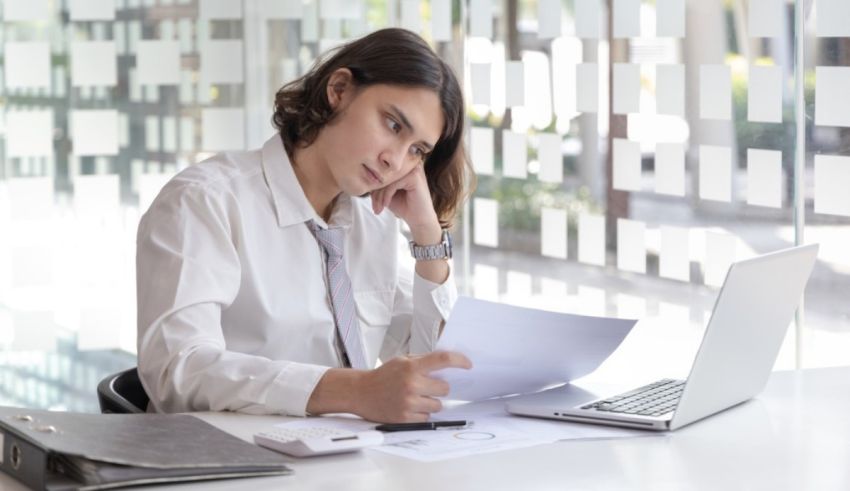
pixel 738 350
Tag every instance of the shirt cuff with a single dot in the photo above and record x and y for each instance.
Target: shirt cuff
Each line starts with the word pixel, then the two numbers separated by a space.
pixel 432 304
pixel 291 390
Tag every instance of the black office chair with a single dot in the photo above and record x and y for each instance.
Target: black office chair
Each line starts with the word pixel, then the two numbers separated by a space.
pixel 122 392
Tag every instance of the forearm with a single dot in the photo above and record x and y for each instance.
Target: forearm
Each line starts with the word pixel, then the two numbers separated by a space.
pixel 337 392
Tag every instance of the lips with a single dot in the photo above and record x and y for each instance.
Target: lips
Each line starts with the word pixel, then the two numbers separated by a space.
pixel 373 175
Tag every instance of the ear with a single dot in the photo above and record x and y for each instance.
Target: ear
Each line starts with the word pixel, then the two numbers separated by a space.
pixel 340 85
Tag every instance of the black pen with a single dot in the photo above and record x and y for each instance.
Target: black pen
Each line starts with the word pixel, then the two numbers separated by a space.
pixel 428 425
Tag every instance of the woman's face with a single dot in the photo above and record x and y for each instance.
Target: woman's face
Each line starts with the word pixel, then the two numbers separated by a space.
pixel 380 133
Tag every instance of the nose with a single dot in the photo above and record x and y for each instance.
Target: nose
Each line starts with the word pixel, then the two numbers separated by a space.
pixel 393 157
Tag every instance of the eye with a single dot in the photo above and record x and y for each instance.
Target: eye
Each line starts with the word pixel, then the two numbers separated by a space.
pixel 393 125
pixel 418 152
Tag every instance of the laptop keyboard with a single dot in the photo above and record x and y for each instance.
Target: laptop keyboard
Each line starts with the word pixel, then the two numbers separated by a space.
pixel 655 399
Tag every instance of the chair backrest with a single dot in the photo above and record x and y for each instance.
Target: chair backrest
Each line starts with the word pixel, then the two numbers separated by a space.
pixel 122 392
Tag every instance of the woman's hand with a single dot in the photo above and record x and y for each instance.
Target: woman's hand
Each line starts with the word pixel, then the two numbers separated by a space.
pixel 399 391
pixel 410 199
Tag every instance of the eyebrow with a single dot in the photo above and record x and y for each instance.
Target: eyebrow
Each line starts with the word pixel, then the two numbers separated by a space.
pixel 400 115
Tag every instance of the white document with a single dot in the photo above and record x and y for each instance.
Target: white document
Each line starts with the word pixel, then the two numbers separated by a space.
pixel 765 18
pixel 715 173
pixel 670 18
pixel 764 177
pixel 832 180
pixel 27 64
pixel 550 158
pixel 670 169
pixel 441 20
pixel 515 350
pixel 93 63
pixel 485 222
pixel 591 239
pixel 514 155
pixel 832 107
pixel 832 18
pixel 553 233
pixel 715 92
pixel 626 18
pixel 764 94
pixel 481 143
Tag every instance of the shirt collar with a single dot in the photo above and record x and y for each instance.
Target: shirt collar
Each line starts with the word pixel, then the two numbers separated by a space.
pixel 290 202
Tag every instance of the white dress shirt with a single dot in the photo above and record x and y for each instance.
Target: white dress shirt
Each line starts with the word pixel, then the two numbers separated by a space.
pixel 233 309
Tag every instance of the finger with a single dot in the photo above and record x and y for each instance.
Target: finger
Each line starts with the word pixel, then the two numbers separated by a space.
pixel 427 405
pixel 377 201
pixel 434 387
pixel 443 359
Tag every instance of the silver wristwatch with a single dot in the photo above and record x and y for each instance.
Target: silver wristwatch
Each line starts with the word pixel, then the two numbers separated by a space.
pixel 443 250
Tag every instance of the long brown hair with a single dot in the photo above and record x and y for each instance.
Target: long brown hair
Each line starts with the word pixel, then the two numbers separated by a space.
pixel 393 57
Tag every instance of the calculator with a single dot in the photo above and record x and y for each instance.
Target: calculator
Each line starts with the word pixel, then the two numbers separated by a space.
pixel 306 442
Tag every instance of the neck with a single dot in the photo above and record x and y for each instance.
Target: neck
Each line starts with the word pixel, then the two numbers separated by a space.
pixel 315 178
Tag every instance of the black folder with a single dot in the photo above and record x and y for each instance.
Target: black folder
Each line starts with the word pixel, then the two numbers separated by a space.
pixel 60 451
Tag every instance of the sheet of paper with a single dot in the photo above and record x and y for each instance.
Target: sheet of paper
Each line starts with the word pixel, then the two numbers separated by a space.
pixel 587 87
pixel 553 232
pixel 479 75
pixel 588 15
pixel 631 245
pixel 481 18
pixel 552 348
pixel 219 9
pixel 591 239
pixel 486 222
pixel 626 165
pixel 550 158
pixel 94 132
pixel 626 18
pixel 764 94
pixel 674 261
pixel 485 282
pixel 410 16
pixel 670 18
pixel 26 64
pixel 293 10
pixel 514 154
pixel 719 255
pixel 222 129
pixel 340 9
pixel 93 63
pixel 25 10
pixel 29 133
pixel 221 61
pixel 765 18
pixel 670 169
pixel 764 177
pixel 832 180
pixel 548 19
pixel 482 150
pixel 514 84
pixel 158 62
pixel 715 92
pixel 715 173
pixel 670 89
pixel 626 88
pixel 441 20
pixel 88 10
pixel 832 106
pixel 832 18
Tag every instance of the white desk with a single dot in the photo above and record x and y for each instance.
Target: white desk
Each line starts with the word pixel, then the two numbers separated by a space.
pixel 794 436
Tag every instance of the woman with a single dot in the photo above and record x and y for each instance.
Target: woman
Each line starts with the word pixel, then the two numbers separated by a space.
pixel 250 265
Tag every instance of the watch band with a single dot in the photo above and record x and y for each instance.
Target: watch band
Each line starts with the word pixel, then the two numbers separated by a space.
pixel 443 250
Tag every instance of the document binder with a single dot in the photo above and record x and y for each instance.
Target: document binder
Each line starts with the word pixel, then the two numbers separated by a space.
pixel 60 451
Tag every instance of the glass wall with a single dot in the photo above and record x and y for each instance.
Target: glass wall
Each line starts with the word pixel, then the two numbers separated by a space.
pixel 626 152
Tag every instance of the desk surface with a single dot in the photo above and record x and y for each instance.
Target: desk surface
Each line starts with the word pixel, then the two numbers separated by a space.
pixel 795 435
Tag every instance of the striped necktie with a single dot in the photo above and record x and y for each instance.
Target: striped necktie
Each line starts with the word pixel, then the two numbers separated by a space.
pixel 339 288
